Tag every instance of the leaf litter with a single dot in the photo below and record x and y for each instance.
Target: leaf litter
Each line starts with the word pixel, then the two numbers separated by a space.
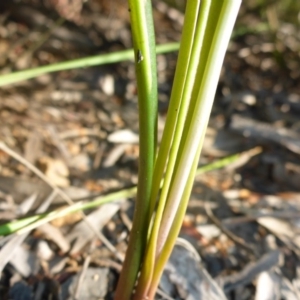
pixel 79 128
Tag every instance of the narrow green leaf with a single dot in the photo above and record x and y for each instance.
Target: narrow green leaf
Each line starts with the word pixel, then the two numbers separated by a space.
pixel 17 225
pixel 85 62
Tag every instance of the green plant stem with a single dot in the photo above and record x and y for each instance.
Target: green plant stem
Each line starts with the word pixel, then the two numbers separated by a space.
pixel 183 121
pixel 185 50
pixel 217 34
pixel 174 232
pixel 85 62
pixel 177 109
pixel 33 222
pixel 201 113
pixel 145 62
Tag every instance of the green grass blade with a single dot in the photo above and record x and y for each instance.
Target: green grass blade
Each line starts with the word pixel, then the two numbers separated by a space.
pixel 86 62
pixel 33 222
pixel 15 226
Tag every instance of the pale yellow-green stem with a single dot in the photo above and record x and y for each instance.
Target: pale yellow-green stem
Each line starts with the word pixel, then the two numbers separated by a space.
pixel 201 114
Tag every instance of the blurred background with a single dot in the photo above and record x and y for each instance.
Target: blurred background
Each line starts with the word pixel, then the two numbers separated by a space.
pixel 80 128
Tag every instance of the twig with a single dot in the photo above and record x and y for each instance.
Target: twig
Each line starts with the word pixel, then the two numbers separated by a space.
pixel 64 196
pixel 267 262
pixel 82 132
pixel 9 248
pixel 264 131
pixel 163 294
pixel 232 236
pixel 83 272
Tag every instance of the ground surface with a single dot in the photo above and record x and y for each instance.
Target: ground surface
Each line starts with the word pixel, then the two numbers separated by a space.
pixel 80 127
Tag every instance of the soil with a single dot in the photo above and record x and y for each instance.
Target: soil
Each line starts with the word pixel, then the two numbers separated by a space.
pixel 80 129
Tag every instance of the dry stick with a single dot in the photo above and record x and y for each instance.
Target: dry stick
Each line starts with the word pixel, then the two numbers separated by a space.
pixel 232 236
pixel 68 200
pixel 164 295
pixel 83 272
pixel 64 196
pixel 82 275
pixel 8 249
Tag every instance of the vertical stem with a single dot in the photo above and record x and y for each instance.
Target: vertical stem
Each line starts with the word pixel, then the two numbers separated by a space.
pixel 221 23
pixel 181 72
pixel 174 232
pixel 179 99
pixel 145 62
pixel 201 112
